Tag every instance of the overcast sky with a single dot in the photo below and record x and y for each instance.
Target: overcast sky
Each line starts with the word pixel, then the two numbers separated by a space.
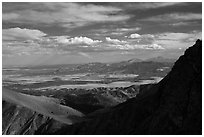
pixel 63 33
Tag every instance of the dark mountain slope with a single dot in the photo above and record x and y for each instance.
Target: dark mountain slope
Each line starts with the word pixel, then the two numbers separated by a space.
pixel 173 106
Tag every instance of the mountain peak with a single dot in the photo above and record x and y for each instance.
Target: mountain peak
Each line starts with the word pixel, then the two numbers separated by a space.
pixel 198 41
pixel 193 55
pixel 134 60
pixel 161 59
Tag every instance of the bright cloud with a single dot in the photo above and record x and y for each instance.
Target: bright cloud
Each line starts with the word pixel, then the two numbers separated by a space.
pixel 129 29
pixel 82 40
pixel 152 46
pixel 23 34
pixel 137 46
pixel 135 36
pixel 116 41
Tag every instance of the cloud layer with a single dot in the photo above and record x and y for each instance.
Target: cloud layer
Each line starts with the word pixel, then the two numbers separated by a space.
pixel 174 17
pixel 28 41
pixel 68 15
pixel 107 30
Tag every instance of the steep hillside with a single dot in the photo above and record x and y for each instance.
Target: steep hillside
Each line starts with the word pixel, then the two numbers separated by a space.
pixel 19 120
pixel 43 105
pixel 173 106
pixel 23 114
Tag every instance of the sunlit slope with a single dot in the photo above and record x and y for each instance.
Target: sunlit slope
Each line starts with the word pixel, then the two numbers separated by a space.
pixel 43 105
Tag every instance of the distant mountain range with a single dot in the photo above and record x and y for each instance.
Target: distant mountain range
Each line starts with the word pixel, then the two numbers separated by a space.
pixel 134 66
pixel 161 59
pixel 155 59
pixel 133 60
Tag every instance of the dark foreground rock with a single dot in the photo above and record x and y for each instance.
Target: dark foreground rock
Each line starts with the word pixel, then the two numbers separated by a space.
pixel 173 106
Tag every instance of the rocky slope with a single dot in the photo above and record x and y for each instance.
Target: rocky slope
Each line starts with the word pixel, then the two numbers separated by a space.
pixel 18 120
pixel 173 106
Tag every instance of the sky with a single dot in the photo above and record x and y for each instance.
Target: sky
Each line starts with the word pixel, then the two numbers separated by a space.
pixel 71 33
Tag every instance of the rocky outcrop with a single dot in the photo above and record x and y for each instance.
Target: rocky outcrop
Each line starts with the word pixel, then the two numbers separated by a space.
pixel 18 120
pixel 173 106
